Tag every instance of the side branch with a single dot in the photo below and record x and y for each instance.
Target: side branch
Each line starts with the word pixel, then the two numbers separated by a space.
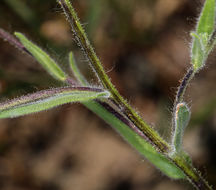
pixel 181 91
pixel 183 86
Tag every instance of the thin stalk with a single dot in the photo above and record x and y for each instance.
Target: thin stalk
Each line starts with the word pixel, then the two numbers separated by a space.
pixel 181 91
pixel 193 175
pixel 13 41
pixel 83 42
pixel 183 86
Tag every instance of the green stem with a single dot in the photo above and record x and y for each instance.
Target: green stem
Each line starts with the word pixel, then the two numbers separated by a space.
pixel 88 50
pixel 192 174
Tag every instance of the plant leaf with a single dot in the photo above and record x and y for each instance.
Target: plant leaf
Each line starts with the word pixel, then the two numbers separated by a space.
pixel 198 52
pixel 206 23
pixel 202 38
pixel 182 117
pixel 76 71
pixel 47 99
pixel 42 57
pixel 141 145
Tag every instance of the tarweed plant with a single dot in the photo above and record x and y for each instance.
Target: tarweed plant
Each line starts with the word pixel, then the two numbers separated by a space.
pixel 106 101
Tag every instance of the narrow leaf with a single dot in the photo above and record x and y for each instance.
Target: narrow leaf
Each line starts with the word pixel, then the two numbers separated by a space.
pixel 182 117
pixel 206 23
pixel 141 145
pixel 42 57
pixel 198 52
pixel 79 77
pixel 202 38
pixel 45 100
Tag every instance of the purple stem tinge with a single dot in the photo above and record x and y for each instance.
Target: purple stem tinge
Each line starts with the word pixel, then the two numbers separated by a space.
pixel 13 41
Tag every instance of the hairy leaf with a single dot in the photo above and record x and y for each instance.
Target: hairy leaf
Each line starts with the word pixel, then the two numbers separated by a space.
pixel 198 52
pixel 206 23
pixel 76 71
pixel 202 42
pixel 141 145
pixel 48 99
pixel 42 57
pixel 182 117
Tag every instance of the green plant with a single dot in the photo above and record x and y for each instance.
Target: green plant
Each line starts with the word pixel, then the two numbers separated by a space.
pixel 106 101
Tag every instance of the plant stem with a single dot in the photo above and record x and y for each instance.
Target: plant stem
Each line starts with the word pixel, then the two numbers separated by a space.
pixel 181 91
pixel 183 86
pixel 95 63
pixel 13 41
pixel 192 174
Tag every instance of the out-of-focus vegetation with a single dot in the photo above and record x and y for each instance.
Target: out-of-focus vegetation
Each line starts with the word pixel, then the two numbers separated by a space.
pixel 144 42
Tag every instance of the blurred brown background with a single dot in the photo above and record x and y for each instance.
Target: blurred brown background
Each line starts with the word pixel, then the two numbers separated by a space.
pixel 144 46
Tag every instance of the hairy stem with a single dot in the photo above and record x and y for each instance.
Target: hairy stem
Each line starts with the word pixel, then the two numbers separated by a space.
pixel 192 174
pixel 94 61
pixel 181 91
pixel 183 86
pixel 13 41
